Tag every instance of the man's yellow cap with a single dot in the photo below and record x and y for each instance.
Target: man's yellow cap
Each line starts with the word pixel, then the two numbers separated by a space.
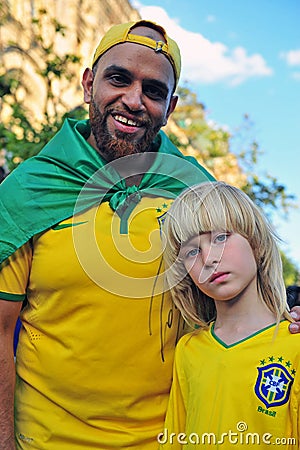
pixel 121 33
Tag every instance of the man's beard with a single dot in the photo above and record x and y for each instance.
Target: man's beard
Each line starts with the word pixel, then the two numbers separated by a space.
pixel 121 144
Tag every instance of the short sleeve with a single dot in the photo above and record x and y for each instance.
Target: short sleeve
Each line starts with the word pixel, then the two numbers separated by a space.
pixel 14 274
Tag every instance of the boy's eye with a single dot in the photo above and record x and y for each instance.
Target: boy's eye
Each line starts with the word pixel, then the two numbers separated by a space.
pixel 222 237
pixel 192 253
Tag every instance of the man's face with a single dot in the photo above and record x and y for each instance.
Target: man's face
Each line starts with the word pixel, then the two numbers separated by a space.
pixel 130 98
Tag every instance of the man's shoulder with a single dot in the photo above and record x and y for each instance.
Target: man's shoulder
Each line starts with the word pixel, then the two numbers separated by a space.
pixel 167 147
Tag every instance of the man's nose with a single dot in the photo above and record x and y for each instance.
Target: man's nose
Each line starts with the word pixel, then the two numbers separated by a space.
pixel 133 97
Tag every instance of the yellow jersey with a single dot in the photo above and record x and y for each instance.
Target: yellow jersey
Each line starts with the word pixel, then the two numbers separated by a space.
pixel 244 395
pixel 95 353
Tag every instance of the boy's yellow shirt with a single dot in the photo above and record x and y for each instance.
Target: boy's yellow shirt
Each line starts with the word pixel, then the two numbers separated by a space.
pixel 244 395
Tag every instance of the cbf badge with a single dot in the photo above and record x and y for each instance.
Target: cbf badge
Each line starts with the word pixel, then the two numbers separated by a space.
pixel 273 385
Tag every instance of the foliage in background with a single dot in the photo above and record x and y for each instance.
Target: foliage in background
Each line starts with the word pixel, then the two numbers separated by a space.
pixel 230 157
pixel 290 272
pixel 215 146
pixel 266 190
pixel 20 135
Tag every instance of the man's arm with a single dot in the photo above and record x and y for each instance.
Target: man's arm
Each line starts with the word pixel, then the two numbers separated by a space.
pixel 9 312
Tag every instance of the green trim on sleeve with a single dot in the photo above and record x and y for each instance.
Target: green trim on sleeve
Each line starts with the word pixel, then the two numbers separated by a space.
pixel 12 297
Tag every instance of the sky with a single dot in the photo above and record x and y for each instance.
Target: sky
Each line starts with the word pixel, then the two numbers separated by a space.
pixel 243 58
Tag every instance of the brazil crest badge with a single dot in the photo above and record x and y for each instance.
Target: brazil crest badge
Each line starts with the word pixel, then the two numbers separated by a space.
pixel 273 385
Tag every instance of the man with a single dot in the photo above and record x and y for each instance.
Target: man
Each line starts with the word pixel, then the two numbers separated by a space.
pixel 81 242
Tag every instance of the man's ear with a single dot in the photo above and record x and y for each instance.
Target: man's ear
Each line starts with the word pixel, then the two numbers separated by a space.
pixel 87 84
pixel 172 105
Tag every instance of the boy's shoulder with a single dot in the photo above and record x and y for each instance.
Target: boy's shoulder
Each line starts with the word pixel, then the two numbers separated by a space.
pixel 191 336
pixel 283 330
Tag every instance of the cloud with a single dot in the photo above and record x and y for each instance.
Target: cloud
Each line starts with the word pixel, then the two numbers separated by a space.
pixel 205 61
pixel 292 57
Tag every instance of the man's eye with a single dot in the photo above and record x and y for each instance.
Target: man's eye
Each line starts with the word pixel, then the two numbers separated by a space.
pixel 118 79
pixel 155 92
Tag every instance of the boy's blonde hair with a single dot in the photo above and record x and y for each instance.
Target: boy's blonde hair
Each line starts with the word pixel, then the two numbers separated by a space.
pixel 217 206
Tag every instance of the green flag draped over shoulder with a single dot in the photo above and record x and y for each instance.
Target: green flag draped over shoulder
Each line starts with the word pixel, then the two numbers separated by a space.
pixel 69 176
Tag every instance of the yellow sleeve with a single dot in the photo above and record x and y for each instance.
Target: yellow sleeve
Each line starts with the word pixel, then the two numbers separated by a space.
pixel 173 435
pixel 14 274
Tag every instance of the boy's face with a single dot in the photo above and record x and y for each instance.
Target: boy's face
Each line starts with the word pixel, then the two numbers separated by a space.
pixel 221 264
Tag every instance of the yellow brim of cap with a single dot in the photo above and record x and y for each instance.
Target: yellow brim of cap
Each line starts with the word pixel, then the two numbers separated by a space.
pixel 119 34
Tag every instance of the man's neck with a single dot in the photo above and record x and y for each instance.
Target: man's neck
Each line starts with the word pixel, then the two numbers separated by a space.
pixel 133 167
